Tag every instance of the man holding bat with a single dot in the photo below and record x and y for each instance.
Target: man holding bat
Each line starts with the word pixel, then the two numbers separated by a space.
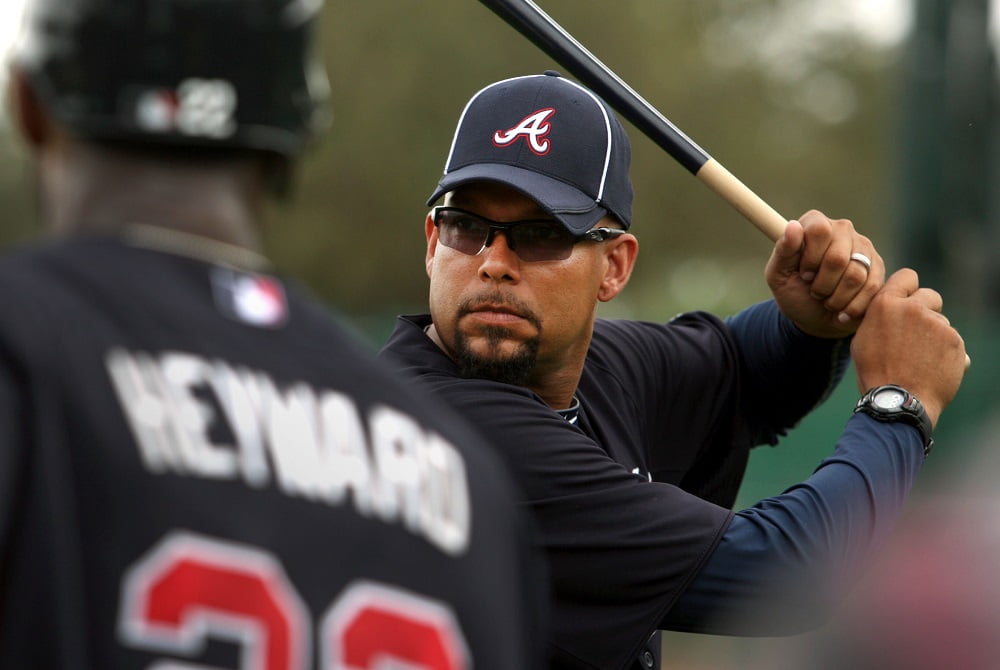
pixel 630 439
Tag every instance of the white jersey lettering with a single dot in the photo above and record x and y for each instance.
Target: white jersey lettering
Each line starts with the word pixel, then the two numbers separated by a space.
pixel 200 418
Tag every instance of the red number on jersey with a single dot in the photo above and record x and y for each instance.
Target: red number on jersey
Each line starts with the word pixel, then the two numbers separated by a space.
pixel 189 589
pixel 372 622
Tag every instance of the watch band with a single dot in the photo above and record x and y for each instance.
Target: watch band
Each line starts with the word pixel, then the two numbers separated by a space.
pixel 905 408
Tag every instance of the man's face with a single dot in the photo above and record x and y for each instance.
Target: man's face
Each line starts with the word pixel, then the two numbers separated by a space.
pixel 503 318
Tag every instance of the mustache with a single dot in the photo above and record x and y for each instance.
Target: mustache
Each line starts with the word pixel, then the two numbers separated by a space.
pixel 498 299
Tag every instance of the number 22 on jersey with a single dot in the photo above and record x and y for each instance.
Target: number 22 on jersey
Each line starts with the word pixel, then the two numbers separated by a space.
pixel 190 588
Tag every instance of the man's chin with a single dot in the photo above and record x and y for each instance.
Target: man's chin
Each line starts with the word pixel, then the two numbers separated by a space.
pixel 496 358
pixel 493 350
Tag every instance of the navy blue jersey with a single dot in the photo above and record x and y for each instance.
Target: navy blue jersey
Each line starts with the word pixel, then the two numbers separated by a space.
pixel 199 467
pixel 634 494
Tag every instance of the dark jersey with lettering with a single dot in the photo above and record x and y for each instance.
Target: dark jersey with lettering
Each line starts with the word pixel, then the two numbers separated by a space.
pixel 199 467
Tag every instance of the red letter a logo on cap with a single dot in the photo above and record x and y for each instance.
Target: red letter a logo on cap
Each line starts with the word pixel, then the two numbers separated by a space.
pixel 533 127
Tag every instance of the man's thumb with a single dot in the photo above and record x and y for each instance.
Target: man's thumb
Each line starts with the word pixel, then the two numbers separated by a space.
pixel 788 249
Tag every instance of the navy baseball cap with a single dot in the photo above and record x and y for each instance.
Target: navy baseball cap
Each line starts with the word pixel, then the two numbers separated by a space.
pixel 550 139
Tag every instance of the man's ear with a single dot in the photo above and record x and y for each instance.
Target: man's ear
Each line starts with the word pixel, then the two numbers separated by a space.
pixel 431 233
pixel 25 108
pixel 620 255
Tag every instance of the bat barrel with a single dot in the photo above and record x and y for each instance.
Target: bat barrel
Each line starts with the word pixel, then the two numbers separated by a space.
pixel 528 19
pixel 562 47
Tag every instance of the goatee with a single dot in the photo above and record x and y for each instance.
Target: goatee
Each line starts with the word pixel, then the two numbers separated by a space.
pixel 509 368
pixel 513 368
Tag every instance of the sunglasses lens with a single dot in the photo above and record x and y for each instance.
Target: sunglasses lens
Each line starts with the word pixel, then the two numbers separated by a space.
pixel 541 241
pixel 530 240
pixel 461 231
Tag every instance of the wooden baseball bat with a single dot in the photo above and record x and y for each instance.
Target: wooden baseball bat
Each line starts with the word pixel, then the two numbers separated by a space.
pixel 528 19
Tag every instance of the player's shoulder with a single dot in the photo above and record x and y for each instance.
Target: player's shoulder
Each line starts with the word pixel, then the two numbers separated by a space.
pixel 26 258
pixel 624 335
pixel 41 265
pixel 610 327
pixel 30 279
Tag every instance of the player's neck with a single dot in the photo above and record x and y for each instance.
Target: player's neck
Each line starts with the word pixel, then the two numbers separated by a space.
pixel 103 193
pixel 558 389
pixel 556 374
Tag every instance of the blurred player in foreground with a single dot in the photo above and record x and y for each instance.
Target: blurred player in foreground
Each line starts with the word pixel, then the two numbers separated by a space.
pixel 630 438
pixel 198 468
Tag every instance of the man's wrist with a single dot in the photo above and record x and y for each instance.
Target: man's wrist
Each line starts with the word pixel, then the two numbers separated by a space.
pixel 894 404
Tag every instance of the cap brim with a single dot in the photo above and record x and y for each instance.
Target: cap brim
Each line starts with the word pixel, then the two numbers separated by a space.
pixel 570 206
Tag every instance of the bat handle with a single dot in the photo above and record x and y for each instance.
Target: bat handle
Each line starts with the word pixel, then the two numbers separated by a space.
pixel 745 201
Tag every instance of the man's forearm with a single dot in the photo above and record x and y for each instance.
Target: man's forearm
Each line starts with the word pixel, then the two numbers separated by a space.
pixel 781 562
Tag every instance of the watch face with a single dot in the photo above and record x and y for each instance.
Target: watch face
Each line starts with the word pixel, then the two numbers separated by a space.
pixel 888 399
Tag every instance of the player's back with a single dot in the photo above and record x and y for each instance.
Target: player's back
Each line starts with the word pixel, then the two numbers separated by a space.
pixel 198 466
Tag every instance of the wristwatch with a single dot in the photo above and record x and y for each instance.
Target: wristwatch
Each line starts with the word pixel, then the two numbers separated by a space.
pixel 891 403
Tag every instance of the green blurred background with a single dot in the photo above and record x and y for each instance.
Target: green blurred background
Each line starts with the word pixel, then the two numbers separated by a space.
pixel 881 112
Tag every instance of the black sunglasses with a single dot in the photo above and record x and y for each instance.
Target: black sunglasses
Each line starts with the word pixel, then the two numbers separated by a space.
pixel 531 239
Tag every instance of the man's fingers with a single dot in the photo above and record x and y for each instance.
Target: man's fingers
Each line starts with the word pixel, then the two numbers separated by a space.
pixel 827 255
pixel 855 301
pixel 901 283
pixel 930 299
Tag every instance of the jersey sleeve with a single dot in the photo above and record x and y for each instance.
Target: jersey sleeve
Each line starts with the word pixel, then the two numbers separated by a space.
pixel 780 361
pixel 782 562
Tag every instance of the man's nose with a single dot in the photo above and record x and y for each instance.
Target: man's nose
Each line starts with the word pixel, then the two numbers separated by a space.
pixel 499 260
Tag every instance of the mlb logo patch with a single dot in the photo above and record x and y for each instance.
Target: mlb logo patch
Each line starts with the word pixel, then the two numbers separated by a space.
pixel 250 298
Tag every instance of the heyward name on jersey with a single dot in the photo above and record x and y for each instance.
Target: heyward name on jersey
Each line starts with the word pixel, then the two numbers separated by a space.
pixel 206 418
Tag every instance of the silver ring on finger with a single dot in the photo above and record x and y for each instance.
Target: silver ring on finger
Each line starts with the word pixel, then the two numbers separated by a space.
pixel 864 260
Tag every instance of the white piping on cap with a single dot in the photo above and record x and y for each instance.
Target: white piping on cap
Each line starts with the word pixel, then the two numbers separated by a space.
pixel 461 119
pixel 607 129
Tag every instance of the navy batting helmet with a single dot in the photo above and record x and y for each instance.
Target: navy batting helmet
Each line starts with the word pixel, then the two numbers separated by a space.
pixel 212 73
